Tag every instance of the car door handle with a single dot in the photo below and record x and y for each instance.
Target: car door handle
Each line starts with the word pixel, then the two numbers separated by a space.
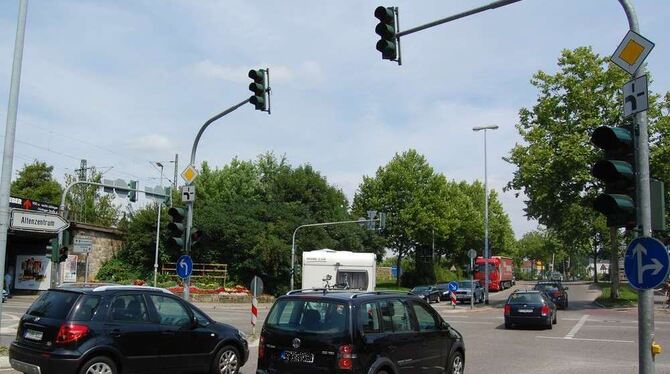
pixel 116 333
pixel 391 348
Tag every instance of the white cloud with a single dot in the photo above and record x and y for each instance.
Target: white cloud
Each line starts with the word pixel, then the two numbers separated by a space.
pixel 150 143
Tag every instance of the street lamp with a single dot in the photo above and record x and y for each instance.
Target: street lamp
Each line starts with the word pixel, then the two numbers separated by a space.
pixel 486 213
pixel 158 227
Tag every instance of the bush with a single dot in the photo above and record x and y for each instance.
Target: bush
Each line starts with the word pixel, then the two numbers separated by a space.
pixel 117 271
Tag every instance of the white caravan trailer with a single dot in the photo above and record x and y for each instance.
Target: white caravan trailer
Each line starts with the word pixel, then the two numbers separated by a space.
pixel 356 269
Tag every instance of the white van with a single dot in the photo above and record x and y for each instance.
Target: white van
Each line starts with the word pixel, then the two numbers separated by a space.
pixel 355 269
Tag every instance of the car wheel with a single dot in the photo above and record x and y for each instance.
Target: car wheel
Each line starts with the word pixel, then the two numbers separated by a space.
pixel 508 325
pixel 555 320
pixel 382 372
pixel 99 365
pixel 438 299
pixel 227 361
pixel 456 364
pixel 549 324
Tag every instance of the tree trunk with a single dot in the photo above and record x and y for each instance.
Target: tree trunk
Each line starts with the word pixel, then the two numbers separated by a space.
pixel 595 264
pixel 614 264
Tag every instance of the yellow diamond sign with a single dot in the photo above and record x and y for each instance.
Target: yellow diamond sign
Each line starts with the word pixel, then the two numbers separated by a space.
pixel 632 51
pixel 189 174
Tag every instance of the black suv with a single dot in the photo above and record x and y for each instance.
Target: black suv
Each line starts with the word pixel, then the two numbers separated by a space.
pixel 555 290
pixel 365 332
pixel 122 329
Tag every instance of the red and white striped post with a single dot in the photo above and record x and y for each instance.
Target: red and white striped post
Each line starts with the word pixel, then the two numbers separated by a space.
pixel 452 296
pixel 254 313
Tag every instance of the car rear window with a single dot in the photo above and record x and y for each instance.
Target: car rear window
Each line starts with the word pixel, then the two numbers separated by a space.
pixel 318 317
pixel 53 304
pixel 525 298
pixel 545 286
pixel 87 308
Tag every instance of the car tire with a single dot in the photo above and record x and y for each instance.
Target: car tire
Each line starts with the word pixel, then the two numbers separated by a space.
pixel 508 325
pixel 226 361
pixel 456 363
pixel 99 365
pixel 382 372
pixel 438 299
pixel 549 324
pixel 555 320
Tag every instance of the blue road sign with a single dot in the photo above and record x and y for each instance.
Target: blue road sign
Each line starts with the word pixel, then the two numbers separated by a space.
pixel 646 263
pixel 184 266
pixel 453 286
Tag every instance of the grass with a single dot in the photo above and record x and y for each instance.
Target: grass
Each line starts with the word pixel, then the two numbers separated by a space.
pixel 390 287
pixel 4 350
pixel 628 296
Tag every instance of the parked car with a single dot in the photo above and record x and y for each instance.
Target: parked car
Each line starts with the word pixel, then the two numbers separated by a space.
pixel 122 329
pixel 530 307
pixel 556 291
pixel 428 293
pixel 466 291
pixel 357 332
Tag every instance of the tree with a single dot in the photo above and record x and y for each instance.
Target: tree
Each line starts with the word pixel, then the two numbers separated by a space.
pixel 36 182
pixel 553 164
pixel 86 204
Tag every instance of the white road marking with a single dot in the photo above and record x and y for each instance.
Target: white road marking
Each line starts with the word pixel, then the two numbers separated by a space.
pixel 585 340
pixel 578 326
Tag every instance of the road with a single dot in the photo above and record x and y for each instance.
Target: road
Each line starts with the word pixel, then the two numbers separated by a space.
pixel 586 338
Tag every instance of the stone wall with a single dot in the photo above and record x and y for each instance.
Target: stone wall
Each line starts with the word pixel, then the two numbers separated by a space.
pixel 106 242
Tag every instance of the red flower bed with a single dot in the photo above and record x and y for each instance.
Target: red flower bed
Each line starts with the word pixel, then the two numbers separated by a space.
pixel 204 291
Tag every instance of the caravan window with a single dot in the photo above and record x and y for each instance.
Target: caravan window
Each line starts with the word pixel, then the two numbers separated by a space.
pixel 355 279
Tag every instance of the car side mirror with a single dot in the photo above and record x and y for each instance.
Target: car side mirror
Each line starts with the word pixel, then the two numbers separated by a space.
pixel 566 288
pixel 445 325
pixel 194 322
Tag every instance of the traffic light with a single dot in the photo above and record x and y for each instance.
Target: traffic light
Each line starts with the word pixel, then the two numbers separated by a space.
pixel 196 236
pixel 62 253
pixel 53 247
pixel 259 89
pixel 132 194
pixel 176 227
pixel 386 29
pixel 617 171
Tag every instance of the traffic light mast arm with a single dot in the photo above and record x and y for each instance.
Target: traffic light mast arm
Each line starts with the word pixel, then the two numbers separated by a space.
pixel 493 5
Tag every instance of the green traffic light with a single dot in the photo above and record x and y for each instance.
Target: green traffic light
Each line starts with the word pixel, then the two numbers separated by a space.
pixel 386 29
pixel 259 88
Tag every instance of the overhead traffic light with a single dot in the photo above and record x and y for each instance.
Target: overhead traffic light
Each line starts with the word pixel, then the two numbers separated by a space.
pixel 259 87
pixel 132 193
pixel 386 29
pixel 617 171
pixel 177 227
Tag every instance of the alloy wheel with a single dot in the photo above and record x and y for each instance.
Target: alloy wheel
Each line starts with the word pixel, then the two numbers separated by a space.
pixel 228 362
pixel 457 365
pixel 99 368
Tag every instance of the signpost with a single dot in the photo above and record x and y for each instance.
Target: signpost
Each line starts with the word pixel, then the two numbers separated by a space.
pixel 30 220
pixel 184 266
pixel 189 174
pixel 635 97
pixel 453 287
pixel 632 51
pixel 646 263
pixel 188 193
pixel 256 288
pixel 472 254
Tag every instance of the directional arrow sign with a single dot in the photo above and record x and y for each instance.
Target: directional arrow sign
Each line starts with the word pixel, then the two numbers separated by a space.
pixel 184 266
pixel 646 263
pixel 31 220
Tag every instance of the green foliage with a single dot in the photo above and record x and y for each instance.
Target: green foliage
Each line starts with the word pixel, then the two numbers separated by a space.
pixel 139 247
pixel 116 270
pixel 86 204
pixel 36 182
pixel 627 296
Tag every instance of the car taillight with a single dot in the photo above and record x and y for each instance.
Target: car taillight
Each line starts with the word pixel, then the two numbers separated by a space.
pixel 345 361
pixel 508 309
pixel 70 332
pixel 261 347
pixel 545 310
pixel 556 293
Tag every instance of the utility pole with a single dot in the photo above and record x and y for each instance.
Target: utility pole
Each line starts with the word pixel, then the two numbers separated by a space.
pixel 176 167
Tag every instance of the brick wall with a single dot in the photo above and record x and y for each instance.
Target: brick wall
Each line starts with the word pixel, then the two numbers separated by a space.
pixel 106 242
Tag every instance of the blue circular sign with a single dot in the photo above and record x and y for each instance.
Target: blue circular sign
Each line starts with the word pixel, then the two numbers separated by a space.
pixel 646 263
pixel 453 286
pixel 184 266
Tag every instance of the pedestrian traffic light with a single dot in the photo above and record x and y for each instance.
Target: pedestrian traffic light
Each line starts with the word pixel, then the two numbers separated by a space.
pixel 132 193
pixel 617 172
pixel 176 227
pixel 386 29
pixel 259 89
pixel 62 253
pixel 196 236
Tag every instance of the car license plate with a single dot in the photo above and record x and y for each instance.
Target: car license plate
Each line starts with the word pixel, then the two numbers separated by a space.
pixel 525 310
pixel 302 357
pixel 33 335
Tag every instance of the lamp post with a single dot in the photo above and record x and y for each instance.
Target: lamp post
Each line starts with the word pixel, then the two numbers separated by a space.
pixel 486 213
pixel 158 227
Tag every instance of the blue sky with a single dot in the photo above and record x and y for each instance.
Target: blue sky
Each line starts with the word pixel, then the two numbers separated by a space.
pixel 123 83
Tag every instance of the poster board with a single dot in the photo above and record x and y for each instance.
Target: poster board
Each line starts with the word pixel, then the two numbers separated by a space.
pixel 33 272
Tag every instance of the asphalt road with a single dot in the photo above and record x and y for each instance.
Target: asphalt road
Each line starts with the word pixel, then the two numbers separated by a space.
pixel 587 339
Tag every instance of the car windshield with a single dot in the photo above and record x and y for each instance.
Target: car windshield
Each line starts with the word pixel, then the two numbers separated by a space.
pixel 420 289
pixel 443 286
pixel 309 316
pixel 482 267
pixel 53 304
pixel 525 298
pixel 465 284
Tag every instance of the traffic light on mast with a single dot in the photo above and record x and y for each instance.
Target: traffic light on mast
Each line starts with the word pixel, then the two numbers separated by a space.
pixel 177 227
pixel 132 193
pixel 259 87
pixel 386 29
pixel 617 172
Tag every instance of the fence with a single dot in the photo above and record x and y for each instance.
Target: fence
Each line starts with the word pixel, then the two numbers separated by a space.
pixel 200 270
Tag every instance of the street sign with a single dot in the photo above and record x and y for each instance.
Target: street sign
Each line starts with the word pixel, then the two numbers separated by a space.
pixel 31 220
pixel 189 174
pixel 646 263
pixel 184 266
pixel 256 286
pixel 472 254
pixel 82 244
pixel 453 268
pixel 188 194
pixel 632 51
pixel 453 286
pixel 635 96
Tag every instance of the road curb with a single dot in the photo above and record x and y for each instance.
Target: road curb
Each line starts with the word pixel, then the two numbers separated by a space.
pixel 4 362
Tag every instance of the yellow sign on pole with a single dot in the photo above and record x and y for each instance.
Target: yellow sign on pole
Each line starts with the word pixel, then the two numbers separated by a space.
pixel 632 52
pixel 189 174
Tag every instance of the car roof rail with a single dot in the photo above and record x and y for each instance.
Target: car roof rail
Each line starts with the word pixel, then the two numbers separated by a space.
pixel 130 288
pixel 322 289
pixel 385 292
